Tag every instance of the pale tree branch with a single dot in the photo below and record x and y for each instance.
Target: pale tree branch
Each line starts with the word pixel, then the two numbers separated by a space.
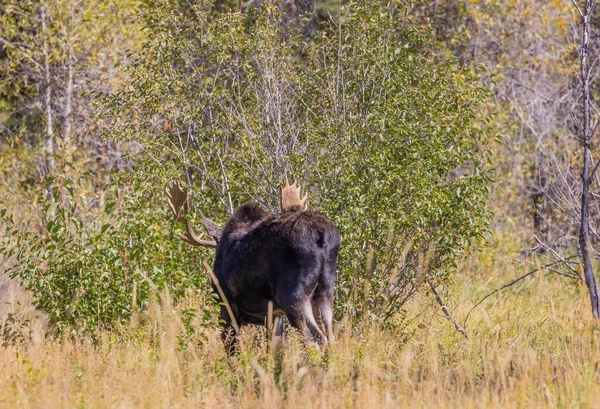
pixel 445 309
pixel 577 7
pixel 511 283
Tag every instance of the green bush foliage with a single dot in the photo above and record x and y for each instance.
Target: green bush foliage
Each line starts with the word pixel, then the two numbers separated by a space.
pixel 401 160
pixel 377 128
pixel 99 256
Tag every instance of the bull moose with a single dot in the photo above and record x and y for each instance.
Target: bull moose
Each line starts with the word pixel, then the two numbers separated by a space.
pixel 286 261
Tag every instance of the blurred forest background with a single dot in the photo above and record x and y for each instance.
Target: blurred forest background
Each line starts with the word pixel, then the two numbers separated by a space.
pixel 442 136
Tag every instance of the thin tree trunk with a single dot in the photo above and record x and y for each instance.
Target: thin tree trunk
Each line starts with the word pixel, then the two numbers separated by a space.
pixel 69 103
pixel 69 90
pixel 540 201
pixel 584 233
pixel 47 91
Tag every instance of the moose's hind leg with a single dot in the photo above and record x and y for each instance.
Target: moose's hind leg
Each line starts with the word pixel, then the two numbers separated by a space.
pixel 322 307
pixel 293 294
pixel 301 317
pixel 322 301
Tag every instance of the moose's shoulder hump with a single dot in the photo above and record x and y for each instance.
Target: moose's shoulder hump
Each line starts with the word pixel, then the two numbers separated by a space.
pixel 248 213
pixel 295 221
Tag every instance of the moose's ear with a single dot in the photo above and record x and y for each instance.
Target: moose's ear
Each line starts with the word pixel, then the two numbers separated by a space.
pixel 290 198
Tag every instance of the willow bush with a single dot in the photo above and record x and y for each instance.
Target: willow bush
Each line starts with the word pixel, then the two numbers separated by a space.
pixel 380 132
pixel 93 259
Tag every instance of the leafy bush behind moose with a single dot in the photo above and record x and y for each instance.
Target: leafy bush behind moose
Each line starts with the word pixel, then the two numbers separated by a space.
pixel 380 133
pixel 403 161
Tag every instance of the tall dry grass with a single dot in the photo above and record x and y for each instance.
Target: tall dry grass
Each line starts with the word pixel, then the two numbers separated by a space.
pixel 532 346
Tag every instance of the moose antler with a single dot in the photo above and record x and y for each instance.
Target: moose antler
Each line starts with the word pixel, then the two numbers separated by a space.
pixel 290 197
pixel 179 204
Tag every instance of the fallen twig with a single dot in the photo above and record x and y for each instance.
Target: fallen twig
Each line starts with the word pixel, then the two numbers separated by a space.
pixel 545 266
pixel 439 299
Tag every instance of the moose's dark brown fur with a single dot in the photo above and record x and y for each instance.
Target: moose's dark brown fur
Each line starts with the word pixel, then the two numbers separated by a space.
pixel 287 258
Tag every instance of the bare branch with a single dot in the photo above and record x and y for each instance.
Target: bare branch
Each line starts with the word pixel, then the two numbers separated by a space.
pixel 445 309
pixel 594 170
pixel 513 282
pixel 559 257
pixel 577 7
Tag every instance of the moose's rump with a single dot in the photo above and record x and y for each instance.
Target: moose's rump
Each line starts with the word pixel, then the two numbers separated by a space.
pixel 265 257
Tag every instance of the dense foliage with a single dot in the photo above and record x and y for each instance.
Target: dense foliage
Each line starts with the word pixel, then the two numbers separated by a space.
pixel 382 133
pixel 379 130
pixel 97 259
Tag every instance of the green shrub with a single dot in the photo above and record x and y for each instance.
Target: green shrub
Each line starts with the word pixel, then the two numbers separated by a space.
pixel 396 155
pixel 92 262
pixel 378 130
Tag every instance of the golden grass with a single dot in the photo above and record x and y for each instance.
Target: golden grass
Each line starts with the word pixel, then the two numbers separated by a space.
pixel 533 346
